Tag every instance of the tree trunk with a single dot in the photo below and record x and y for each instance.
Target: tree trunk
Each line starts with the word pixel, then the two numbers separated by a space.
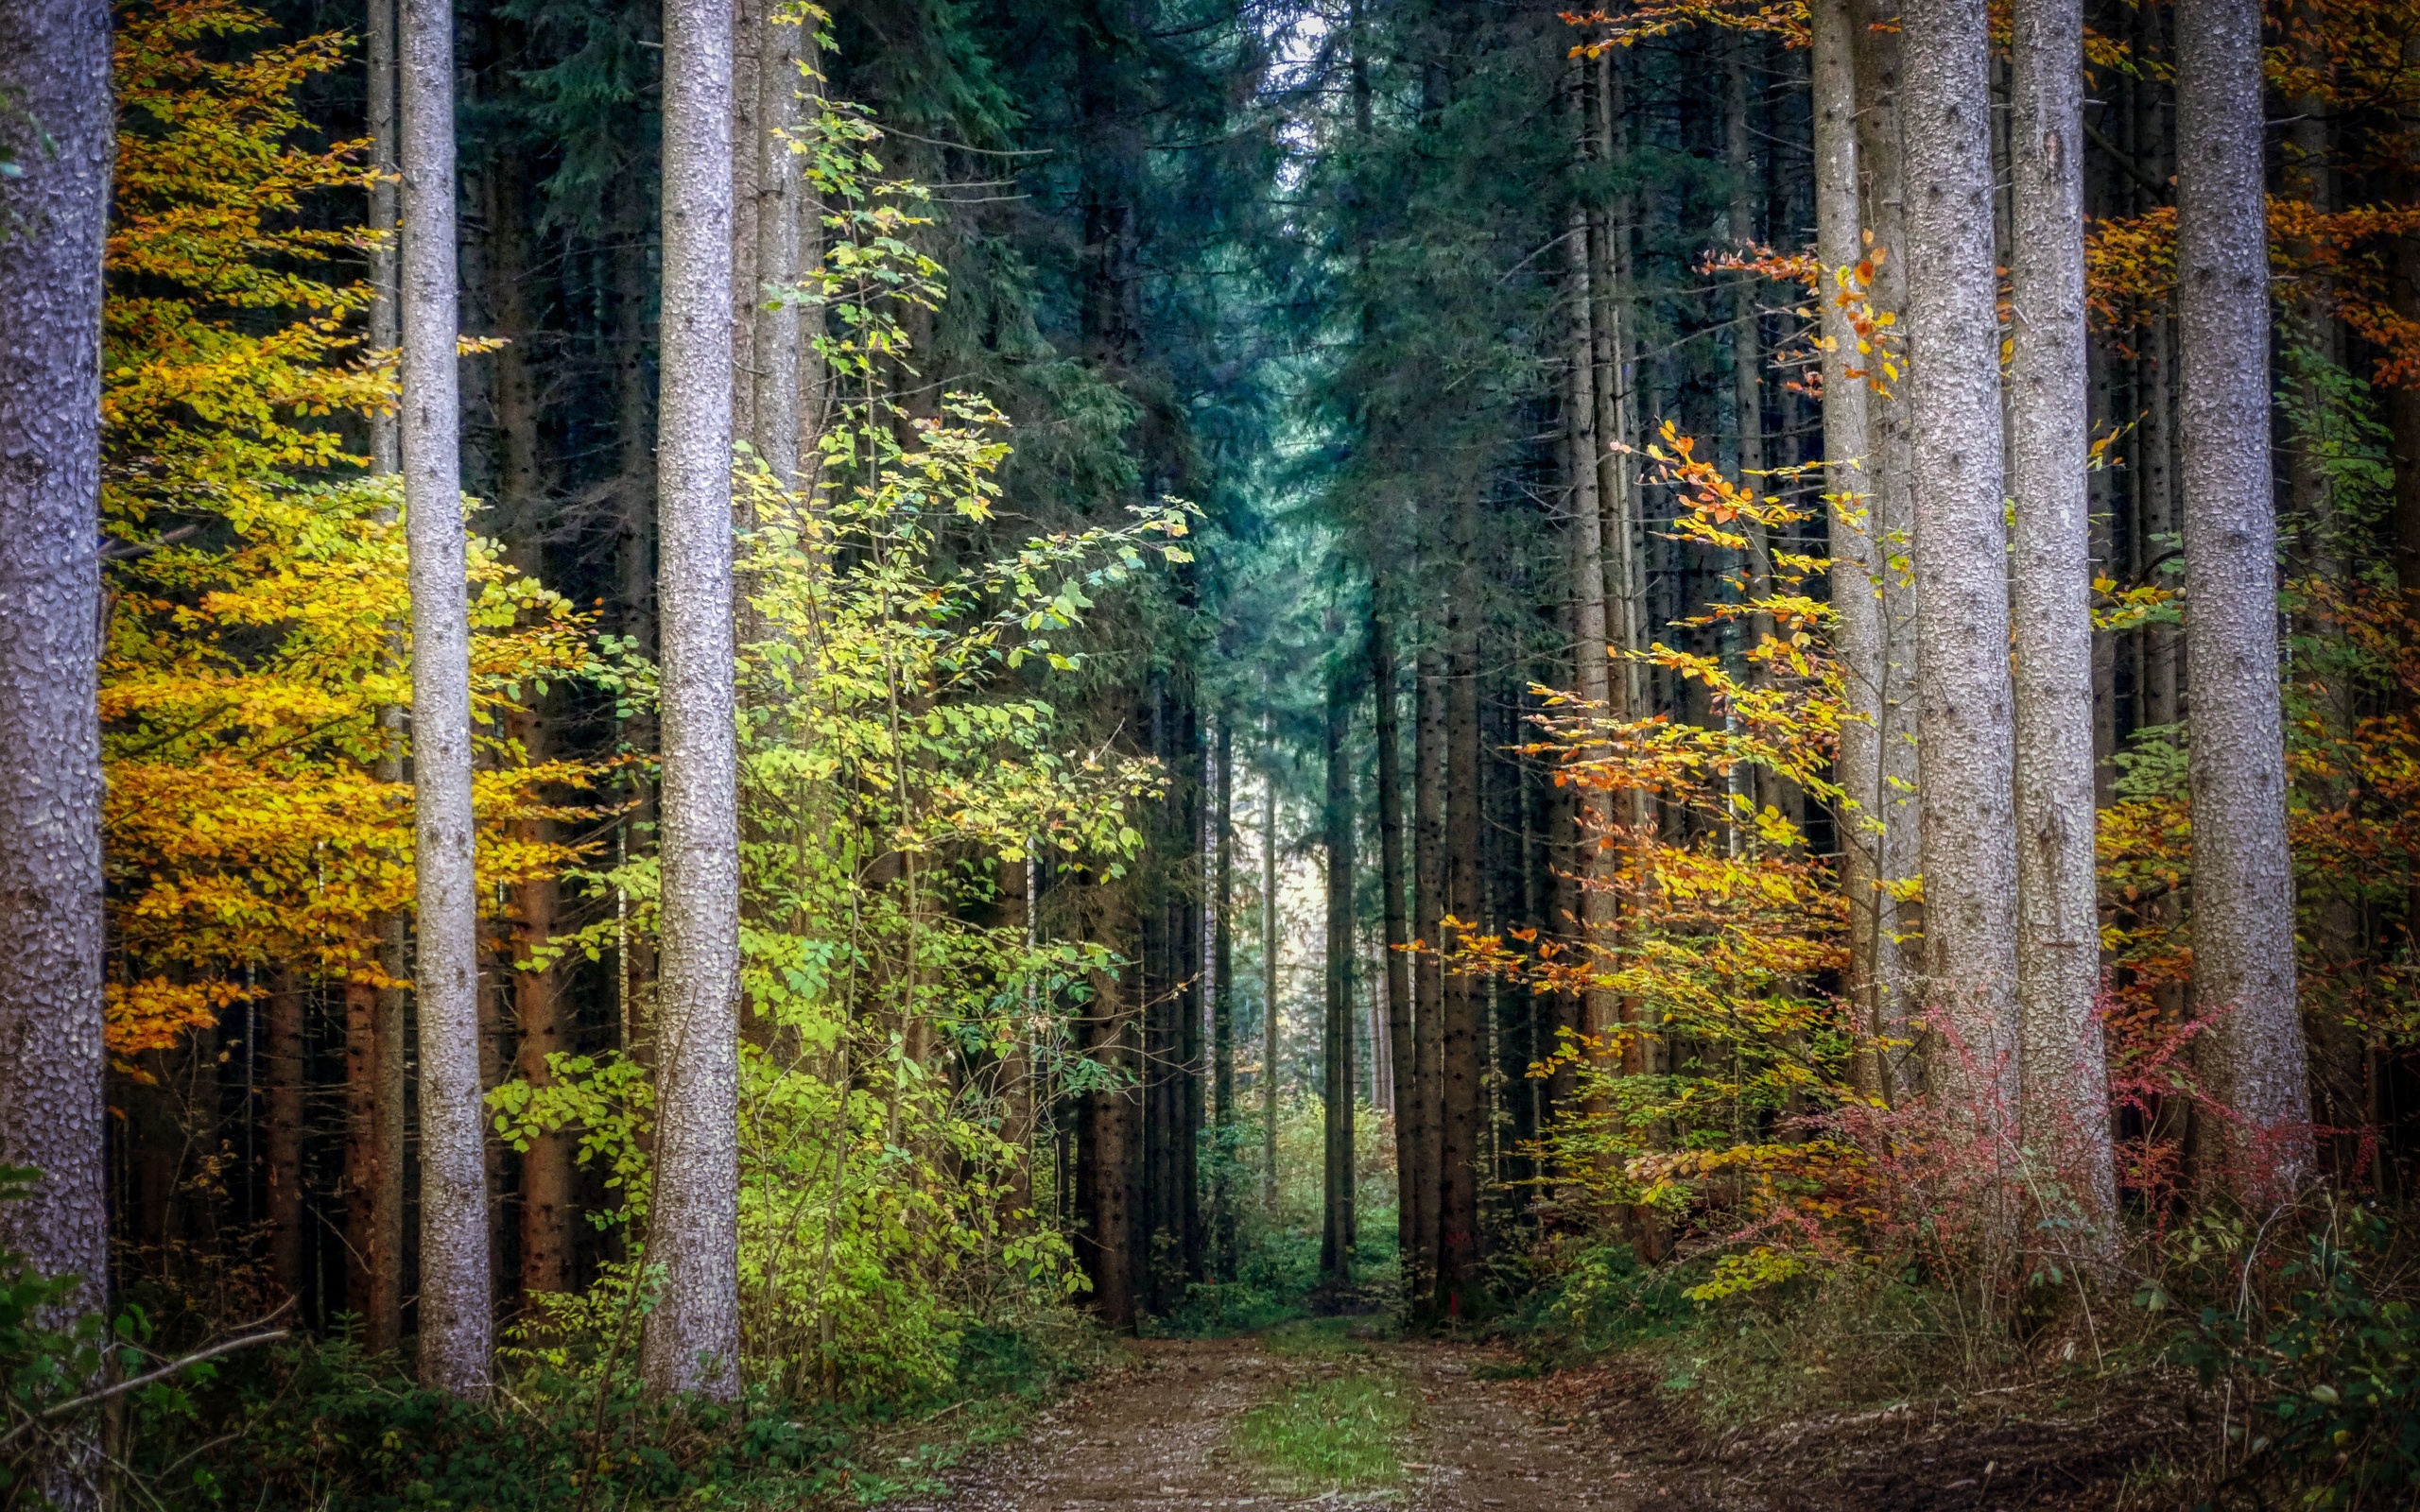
pixel 284 1068
pixel 1463 1130
pixel 2251 1057
pixel 2062 1071
pixel 549 1193
pixel 783 205
pixel 1894 823
pixel 1428 977
pixel 1964 721
pixel 1338 1089
pixel 455 1323
pixel 1748 358
pixel 1270 946
pixel 1591 664
pixel 1859 564
pixel 1222 1006
pixel 1104 1178
pixel 692 1337
pixel 1403 1048
pixel 385 437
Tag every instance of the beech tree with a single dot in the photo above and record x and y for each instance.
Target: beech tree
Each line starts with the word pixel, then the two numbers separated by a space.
pixel 1964 722
pixel 2251 1055
pixel 2064 1069
pixel 455 1328
pixel 692 1337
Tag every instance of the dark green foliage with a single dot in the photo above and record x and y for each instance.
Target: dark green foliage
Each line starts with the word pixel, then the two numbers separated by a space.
pixel 2334 1368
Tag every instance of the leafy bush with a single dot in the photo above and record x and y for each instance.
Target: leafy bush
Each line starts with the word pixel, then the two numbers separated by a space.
pixel 2334 1365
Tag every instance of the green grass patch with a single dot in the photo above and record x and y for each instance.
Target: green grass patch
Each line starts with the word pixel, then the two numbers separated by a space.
pixel 1337 1434
pixel 1329 1338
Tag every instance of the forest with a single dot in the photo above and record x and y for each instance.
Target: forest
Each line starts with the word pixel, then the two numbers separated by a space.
pixel 981 753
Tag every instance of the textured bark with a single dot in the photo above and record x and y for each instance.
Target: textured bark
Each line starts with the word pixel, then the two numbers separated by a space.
pixel 1223 1001
pixel 1338 1089
pixel 1402 1030
pixel 2251 1057
pixel 1748 358
pixel 282 1067
pixel 692 1337
pixel 1427 976
pixel 782 205
pixel 1964 716
pixel 1591 664
pixel 378 55
pixel 1891 526
pixel 1104 1175
pixel 1858 564
pixel 2062 1071
pixel 54 69
pixel 456 1330
pixel 1462 1098
pixel 1270 947
pixel 550 1195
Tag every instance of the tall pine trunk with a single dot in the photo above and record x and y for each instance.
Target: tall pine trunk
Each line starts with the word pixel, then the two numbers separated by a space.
pixel 1891 509
pixel 455 1328
pixel 1270 947
pixel 2251 1057
pixel 1402 1030
pixel 1222 1005
pixel 1462 1093
pixel 54 70
pixel 284 1093
pixel 1338 1089
pixel 691 1341
pixel 1428 978
pixel 1860 563
pixel 2063 1073
pixel 1966 715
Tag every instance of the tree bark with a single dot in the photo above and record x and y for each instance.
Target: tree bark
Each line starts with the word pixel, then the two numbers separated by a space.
pixel 1222 1005
pixel 783 205
pixel 378 49
pixel 54 70
pixel 2062 1071
pixel 1271 948
pixel 1338 1089
pixel 1895 822
pixel 691 1341
pixel 1403 1049
pixel 1104 1197
pixel 1600 906
pixel 1427 976
pixel 283 1065
pixel 1463 1130
pixel 2251 1056
pixel 455 1328
pixel 1859 565
pixel 1964 718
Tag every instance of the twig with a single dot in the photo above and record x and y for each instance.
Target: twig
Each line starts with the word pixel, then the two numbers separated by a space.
pixel 90 1398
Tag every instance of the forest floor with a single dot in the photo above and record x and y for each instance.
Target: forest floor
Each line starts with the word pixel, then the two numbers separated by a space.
pixel 1319 1415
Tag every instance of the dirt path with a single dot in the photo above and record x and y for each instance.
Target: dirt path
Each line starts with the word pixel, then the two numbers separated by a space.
pixel 1155 1433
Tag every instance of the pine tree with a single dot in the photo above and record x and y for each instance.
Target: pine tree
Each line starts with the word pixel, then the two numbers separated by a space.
pixel 455 1328
pixel 692 1338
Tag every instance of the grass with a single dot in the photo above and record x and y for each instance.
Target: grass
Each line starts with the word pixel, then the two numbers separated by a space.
pixel 1333 1433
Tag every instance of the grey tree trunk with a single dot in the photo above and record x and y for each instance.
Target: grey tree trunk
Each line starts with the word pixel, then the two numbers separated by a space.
pixel 2063 1073
pixel 1223 1004
pixel 378 51
pixel 692 1338
pixel 1891 525
pixel 784 204
pixel 1964 721
pixel 54 70
pixel 455 1328
pixel 1858 567
pixel 2251 1057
